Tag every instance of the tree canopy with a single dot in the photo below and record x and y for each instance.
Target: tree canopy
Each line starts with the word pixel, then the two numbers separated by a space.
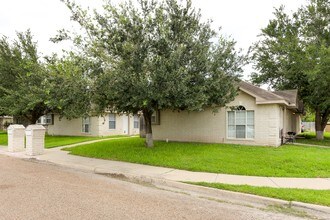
pixel 294 53
pixel 31 86
pixel 154 55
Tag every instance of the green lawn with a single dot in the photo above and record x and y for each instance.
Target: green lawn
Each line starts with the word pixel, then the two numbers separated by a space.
pixel 55 141
pixel 3 138
pixel 309 138
pixel 320 197
pixel 285 161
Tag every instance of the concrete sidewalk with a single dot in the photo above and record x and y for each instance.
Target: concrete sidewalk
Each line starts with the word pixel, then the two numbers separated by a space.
pixel 57 156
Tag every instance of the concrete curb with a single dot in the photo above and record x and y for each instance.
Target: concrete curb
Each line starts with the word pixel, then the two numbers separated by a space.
pixel 219 194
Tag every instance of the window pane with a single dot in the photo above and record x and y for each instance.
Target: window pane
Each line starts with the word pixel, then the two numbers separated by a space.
pixel 240 131
pixel 136 124
pixel 112 125
pixel 240 117
pixel 86 128
pixel 86 120
pixel 250 131
pixel 112 121
pixel 231 118
pixel 231 131
pixel 250 118
pixel 112 117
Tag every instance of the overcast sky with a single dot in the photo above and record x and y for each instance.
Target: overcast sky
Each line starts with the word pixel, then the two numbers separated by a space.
pixel 240 19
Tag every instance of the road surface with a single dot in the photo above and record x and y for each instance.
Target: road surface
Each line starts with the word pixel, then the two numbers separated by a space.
pixel 34 190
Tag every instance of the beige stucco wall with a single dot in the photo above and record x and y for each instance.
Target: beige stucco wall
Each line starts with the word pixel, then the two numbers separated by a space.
pixel 72 127
pixel 99 126
pixel 292 121
pixel 207 126
pixel 128 129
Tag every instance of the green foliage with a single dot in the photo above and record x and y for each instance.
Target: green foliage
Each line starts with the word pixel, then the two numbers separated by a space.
pixel 309 115
pixel 156 55
pixel 294 53
pixel 23 77
pixel 286 161
pixel 68 86
pixel 320 197
pixel 31 86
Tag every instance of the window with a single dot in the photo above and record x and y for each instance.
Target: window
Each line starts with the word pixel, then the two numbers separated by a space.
pixel 136 121
pixel 49 119
pixel 46 120
pixel 240 123
pixel 86 125
pixel 155 118
pixel 112 121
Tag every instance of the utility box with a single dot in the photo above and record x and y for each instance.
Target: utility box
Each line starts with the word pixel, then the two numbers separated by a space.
pixel 16 137
pixel 35 140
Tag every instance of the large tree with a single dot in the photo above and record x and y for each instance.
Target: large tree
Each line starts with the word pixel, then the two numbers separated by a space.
pixel 31 86
pixel 22 78
pixel 294 53
pixel 156 55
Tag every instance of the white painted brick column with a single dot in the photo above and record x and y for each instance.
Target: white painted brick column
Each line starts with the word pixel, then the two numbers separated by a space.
pixel 16 137
pixel 35 140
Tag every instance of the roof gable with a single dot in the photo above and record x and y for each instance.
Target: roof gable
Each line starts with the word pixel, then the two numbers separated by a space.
pixel 286 97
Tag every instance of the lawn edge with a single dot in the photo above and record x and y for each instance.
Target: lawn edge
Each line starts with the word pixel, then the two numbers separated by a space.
pixel 290 202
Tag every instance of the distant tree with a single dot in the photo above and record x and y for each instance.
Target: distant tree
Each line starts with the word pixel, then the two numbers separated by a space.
pixel 294 53
pixel 31 87
pixel 156 55
pixel 309 116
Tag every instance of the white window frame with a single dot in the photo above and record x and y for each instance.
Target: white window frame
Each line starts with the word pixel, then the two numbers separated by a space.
pixel 84 123
pixel 245 124
pixel 112 119
pixel 45 120
pixel 155 118
pixel 49 119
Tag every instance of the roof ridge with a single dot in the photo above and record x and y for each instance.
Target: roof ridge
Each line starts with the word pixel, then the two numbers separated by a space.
pixel 250 84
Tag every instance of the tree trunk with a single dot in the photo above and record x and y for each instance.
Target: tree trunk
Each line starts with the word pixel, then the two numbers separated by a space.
pixel 321 120
pixel 147 119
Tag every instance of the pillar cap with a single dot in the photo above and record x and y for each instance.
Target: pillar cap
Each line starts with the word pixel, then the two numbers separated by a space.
pixel 35 127
pixel 16 127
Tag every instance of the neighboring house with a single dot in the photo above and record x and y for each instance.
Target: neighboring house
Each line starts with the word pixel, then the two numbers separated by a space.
pixel 109 124
pixel 255 117
pixel 327 127
pixel 5 121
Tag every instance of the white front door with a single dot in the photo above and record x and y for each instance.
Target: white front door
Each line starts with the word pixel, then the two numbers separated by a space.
pixel 125 124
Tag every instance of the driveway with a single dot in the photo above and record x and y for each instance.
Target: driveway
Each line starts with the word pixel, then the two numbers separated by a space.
pixel 36 190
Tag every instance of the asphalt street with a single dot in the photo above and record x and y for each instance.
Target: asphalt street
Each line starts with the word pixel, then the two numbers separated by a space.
pixel 34 190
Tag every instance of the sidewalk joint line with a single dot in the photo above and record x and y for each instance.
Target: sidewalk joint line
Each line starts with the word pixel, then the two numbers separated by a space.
pixel 274 182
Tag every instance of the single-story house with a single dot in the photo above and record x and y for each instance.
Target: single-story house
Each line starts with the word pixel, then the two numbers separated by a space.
pixel 255 117
pixel 107 125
